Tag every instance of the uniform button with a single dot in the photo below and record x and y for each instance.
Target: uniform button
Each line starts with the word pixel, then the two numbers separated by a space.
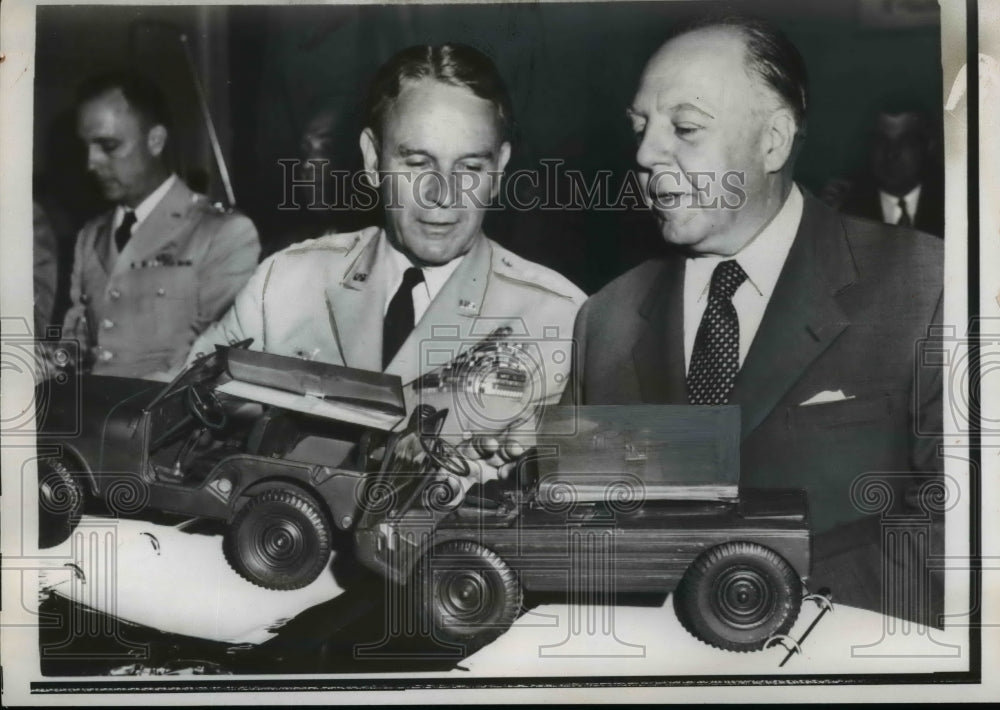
pixel 107 324
pixel 106 355
pixel 115 294
pixel 84 298
pixel 161 292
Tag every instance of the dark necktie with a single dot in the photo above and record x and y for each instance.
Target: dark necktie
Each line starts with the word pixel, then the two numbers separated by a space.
pixel 399 318
pixel 904 216
pixel 716 355
pixel 124 231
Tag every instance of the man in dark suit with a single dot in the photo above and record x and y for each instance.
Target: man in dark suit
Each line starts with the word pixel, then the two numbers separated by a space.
pixel 903 184
pixel 809 320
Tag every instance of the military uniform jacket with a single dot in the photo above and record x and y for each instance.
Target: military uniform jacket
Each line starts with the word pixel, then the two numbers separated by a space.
pixel 138 314
pixel 324 300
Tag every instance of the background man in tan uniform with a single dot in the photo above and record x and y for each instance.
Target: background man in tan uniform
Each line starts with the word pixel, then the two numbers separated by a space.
pixel 384 298
pixel 152 273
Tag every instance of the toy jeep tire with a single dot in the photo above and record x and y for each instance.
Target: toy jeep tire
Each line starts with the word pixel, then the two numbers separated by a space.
pixel 736 595
pixel 279 540
pixel 60 501
pixel 467 594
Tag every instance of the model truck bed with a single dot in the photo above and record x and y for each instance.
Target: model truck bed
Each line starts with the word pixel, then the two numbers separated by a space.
pixel 659 452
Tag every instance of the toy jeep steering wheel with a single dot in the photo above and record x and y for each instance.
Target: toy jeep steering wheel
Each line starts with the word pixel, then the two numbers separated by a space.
pixel 205 406
pixel 445 456
pixel 427 423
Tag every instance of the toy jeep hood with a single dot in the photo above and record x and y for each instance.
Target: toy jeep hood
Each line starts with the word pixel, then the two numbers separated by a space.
pixel 346 394
pixel 666 452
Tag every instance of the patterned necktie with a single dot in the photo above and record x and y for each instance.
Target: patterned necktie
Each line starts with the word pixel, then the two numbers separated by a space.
pixel 716 356
pixel 124 231
pixel 399 319
pixel 904 216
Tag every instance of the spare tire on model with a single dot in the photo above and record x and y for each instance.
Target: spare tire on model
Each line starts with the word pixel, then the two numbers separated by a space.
pixel 738 594
pixel 280 539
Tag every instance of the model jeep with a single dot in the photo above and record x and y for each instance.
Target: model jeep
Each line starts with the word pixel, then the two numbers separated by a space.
pixel 607 500
pixel 259 441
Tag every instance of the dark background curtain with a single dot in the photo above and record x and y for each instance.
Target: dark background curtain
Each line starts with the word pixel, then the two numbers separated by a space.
pixel 571 69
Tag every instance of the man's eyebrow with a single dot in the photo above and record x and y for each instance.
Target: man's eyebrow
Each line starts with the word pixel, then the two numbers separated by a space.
pixel 688 106
pixel 481 155
pixel 406 151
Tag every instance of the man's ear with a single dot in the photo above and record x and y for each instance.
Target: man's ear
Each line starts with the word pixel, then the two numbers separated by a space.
pixel 156 140
pixel 369 153
pixel 502 158
pixel 778 140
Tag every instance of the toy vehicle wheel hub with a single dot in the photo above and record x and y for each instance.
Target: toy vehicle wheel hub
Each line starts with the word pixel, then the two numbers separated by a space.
pixel 465 594
pixel 743 597
pixel 281 541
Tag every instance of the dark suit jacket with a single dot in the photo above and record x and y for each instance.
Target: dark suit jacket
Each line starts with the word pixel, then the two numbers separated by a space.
pixel 863 201
pixel 849 313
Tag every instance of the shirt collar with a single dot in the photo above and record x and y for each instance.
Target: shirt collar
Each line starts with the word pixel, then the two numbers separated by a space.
pixel 890 203
pixel 763 257
pixel 435 277
pixel 146 207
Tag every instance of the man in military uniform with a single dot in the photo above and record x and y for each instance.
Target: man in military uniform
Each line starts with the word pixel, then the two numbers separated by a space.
pixel 429 283
pixel 152 273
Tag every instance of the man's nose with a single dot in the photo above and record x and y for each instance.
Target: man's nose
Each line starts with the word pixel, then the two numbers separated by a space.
pixel 442 189
pixel 656 147
pixel 95 157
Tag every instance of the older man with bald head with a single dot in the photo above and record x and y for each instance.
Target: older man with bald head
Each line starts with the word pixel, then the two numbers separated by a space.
pixel 808 320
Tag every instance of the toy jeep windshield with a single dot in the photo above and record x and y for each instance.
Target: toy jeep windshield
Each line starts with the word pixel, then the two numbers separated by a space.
pixel 259 441
pixel 652 492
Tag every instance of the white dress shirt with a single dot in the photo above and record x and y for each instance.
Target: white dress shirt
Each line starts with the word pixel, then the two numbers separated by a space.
pixel 435 278
pixel 762 260
pixel 143 209
pixel 890 205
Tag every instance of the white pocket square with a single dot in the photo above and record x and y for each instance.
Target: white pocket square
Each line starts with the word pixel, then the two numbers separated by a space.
pixel 826 397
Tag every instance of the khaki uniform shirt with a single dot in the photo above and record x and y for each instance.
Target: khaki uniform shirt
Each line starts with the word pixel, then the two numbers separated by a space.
pixel 138 314
pixel 324 300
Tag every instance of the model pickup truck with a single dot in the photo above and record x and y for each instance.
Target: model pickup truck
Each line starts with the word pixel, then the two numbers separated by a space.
pixel 608 500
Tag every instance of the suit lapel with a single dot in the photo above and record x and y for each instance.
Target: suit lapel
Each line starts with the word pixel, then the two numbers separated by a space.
pixel 802 318
pixel 658 354
pixel 460 299
pixel 159 229
pixel 354 302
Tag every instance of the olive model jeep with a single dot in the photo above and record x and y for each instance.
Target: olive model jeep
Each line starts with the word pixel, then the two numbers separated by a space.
pixel 252 439
pixel 651 490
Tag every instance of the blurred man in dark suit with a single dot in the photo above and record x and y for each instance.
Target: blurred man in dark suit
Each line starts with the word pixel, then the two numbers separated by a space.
pixel 903 184
pixel 808 320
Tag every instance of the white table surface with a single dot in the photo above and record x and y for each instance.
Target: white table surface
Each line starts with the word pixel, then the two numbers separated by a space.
pixel 182 584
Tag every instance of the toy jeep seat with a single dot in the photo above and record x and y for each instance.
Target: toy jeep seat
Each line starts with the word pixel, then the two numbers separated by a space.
pixel 601 453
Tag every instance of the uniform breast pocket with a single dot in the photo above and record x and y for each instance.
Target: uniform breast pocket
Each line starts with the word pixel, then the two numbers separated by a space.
pixel 861 409
pixel 170 297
